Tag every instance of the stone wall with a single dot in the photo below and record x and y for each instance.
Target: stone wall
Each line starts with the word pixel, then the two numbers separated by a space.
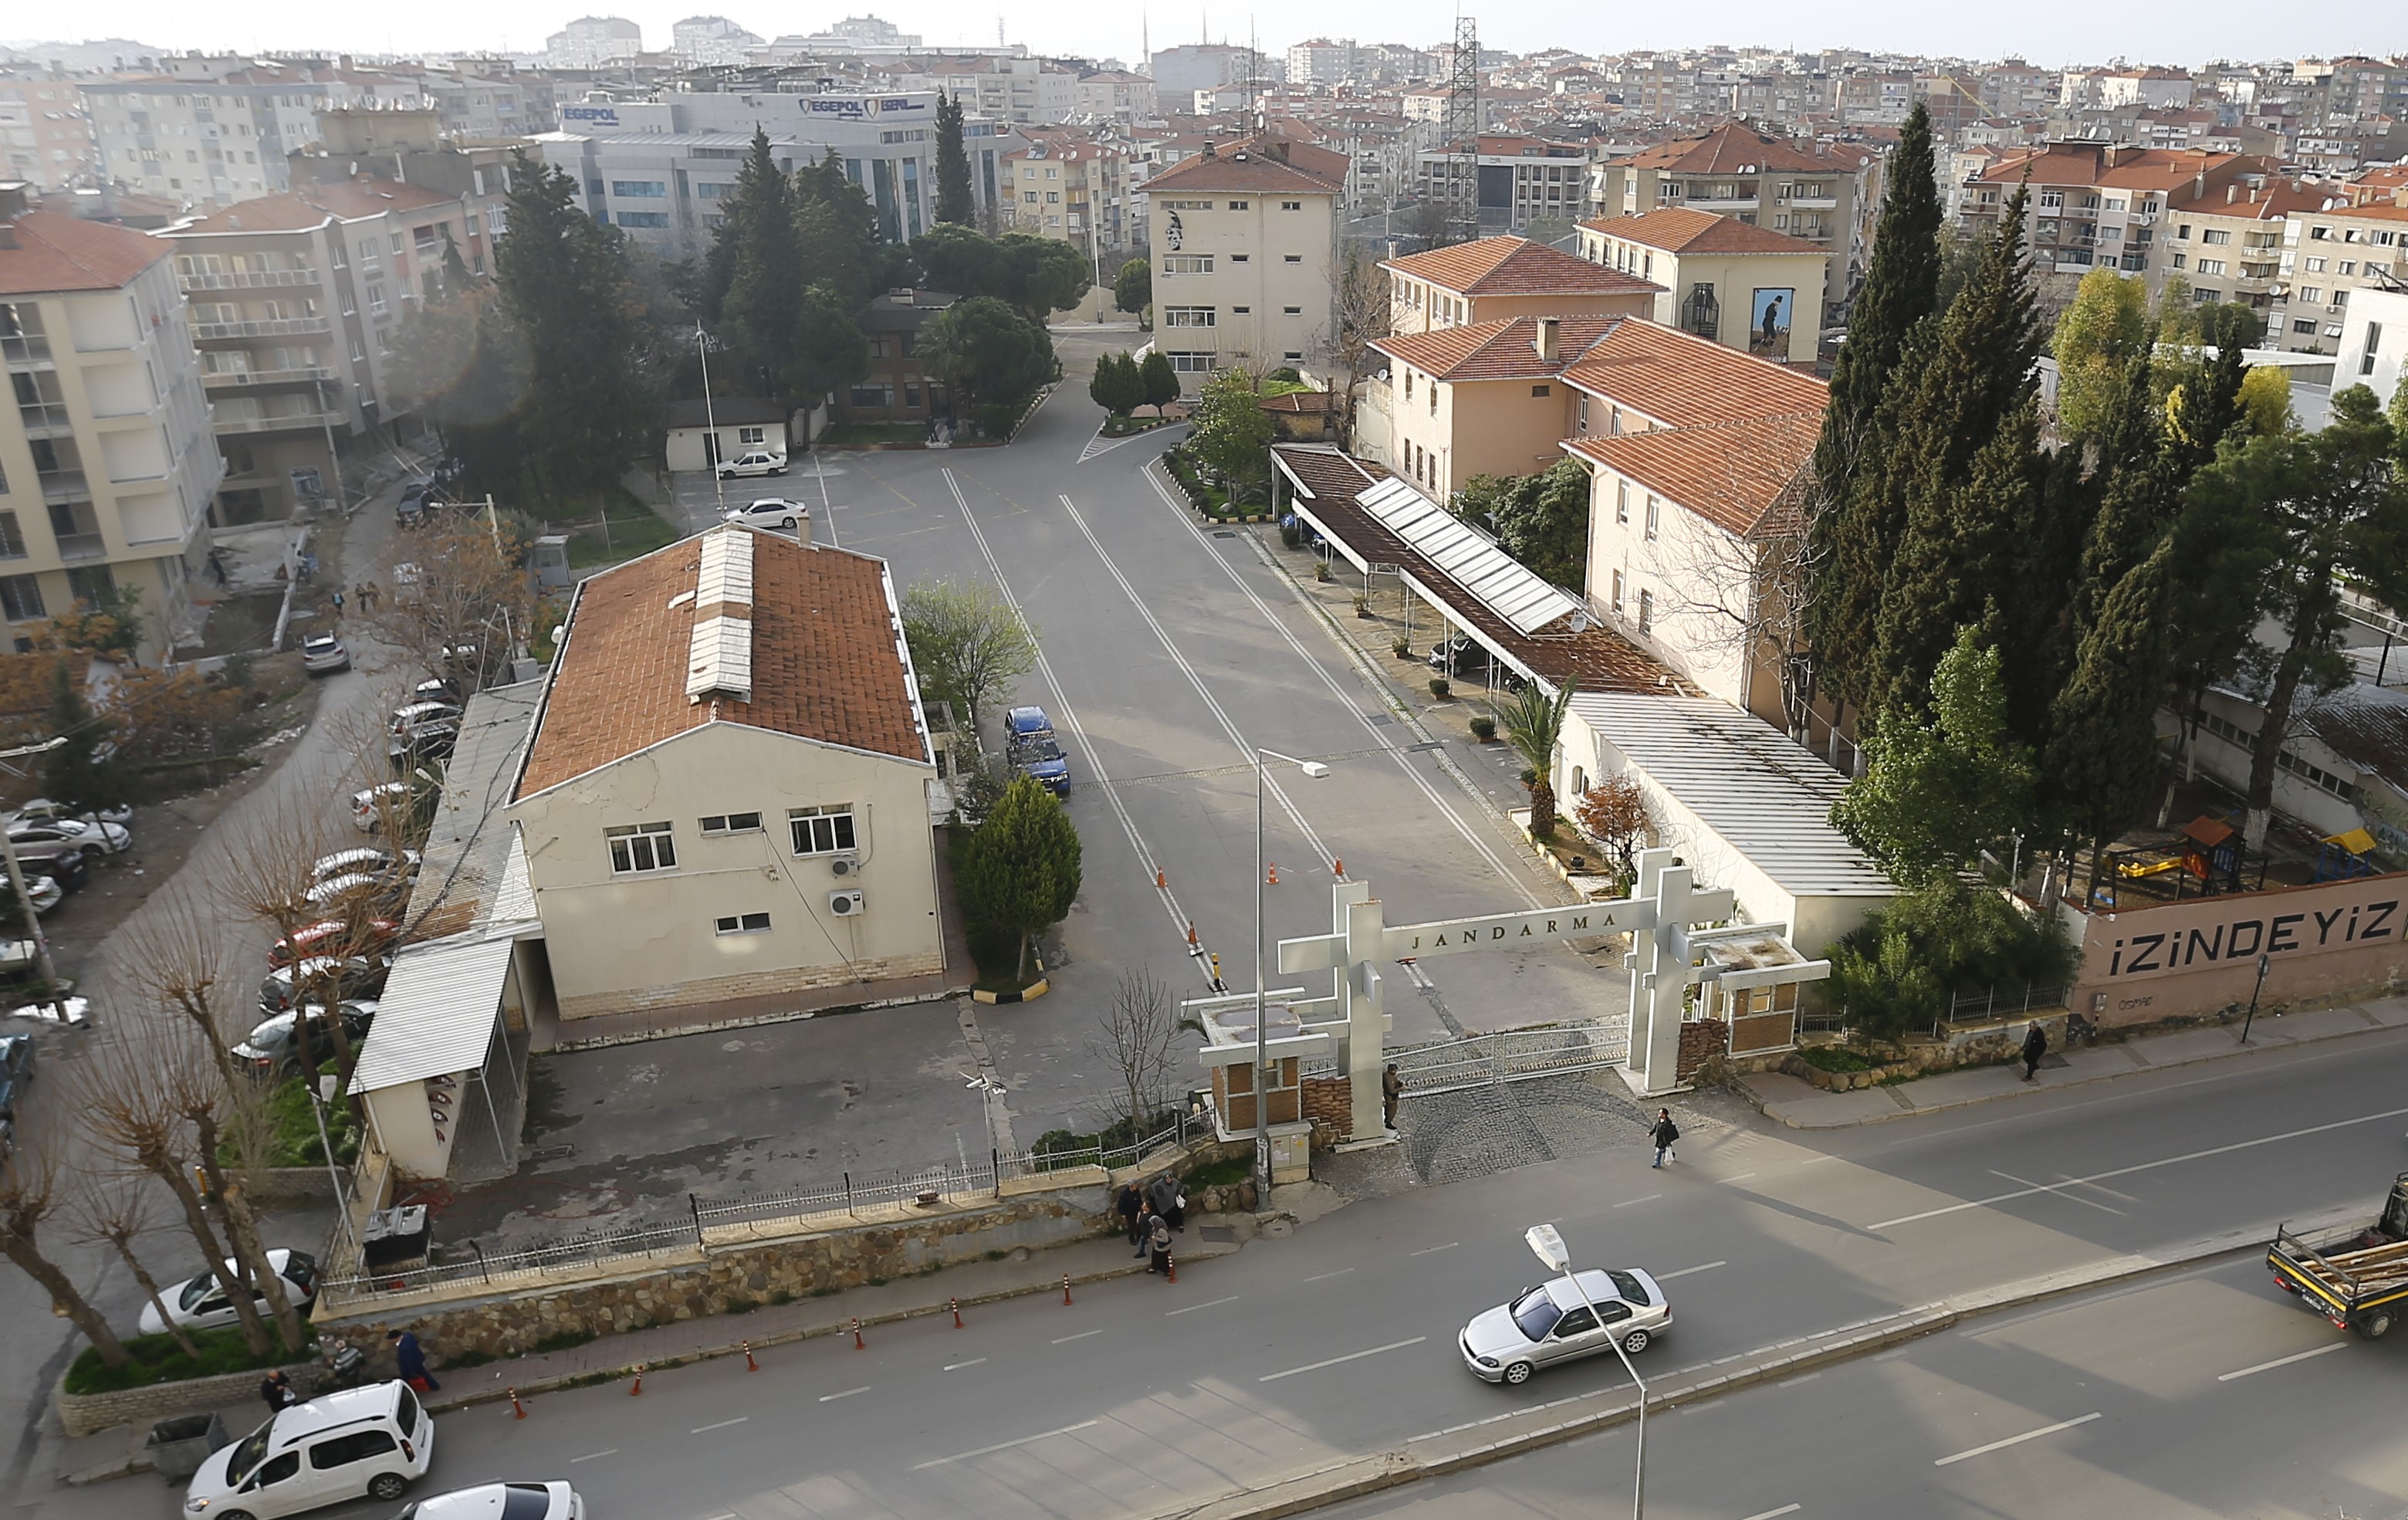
pixel 1329 1108
pixel 1705 1045
pixel 270 1186
pixel 83 1413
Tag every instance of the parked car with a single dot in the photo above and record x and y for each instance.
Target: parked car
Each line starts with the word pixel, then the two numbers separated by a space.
pixel 771 512
pixel 411 715
pixel 416 498
pixel 32 839
pixel 439 689
pixel 377 888
pixel 432 740
pixel 16 1074
pixel 200 1304
pixel 366 858
pixel 370 1441
pixel 500 1501
pixel 1023 724
pixel 323 655
pixel 348 978
pixel 46 892
pixel 70 869
pixel 42 810
pixel 1543 1325
pixel 273 1047
pixel 1462 656
pixel 367 937
pixel 369 806
pixel 757 461
pixel 1042 760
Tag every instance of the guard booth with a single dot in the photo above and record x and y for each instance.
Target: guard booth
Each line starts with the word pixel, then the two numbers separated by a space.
pixel 550 561
pixel 1228 1023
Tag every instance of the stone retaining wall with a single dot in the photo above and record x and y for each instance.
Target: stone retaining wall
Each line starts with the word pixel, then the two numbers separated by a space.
pixel 82 1414
pixel 270 1186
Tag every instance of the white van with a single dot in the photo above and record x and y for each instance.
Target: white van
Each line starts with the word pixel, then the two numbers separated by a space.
pixel 338 1446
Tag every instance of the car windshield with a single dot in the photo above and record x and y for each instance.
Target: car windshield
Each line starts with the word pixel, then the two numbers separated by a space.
pixel 1035 750
pixel 195 1290
pixel 525 1502
pixel 1536 1314
pixel 1628 1288
pixel 247 1454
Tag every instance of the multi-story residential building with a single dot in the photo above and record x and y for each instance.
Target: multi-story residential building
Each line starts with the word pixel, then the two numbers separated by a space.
pixel 2012 87
pixel 1322 62
pixel 488 103
pixel 1063 185
pixel 592 41
pixel 107 467
pixel 211 135
pixel 1114 95
pixel 2331 256
pixel 1720 278
pixel 700 40
pixel 1191 66
pixel 1871 98
pixel 406 145
pixel 1493 278
pixel 2096 204
pixel 2155 88
pixel 44 135
pixel 1514 180
pixel 999 89
pixel 294 300
pixel 2229 246
pixel 1823 195
pixel 1243 244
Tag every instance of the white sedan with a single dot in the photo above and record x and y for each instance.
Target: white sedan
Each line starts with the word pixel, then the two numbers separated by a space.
pixel 199 1303
pixel 1563 1321
pixel 83 834
pixel 771 513
pixel 42 810
pixel 500 1501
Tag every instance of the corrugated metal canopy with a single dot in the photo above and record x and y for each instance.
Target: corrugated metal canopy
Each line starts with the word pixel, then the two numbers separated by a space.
pixel 439 1012
pixel 1500 582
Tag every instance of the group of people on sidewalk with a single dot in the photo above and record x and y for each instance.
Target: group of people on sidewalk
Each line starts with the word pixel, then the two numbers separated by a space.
pixel 277 1392
pixel 1151 1215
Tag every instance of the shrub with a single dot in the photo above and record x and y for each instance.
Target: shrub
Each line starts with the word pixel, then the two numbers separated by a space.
pixel 1901 968
pixel 1836 1058
pixel 1291 532
pixel 158 1359
pixel 1401 649
pixel 1484 728
pixel 1440 686
pixel 1222 1174
pixel 1321 570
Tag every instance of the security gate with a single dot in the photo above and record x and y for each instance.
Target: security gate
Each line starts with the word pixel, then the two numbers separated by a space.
pixel 1512 1055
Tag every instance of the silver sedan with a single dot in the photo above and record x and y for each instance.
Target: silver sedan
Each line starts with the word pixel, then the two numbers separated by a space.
pixel 1551 1323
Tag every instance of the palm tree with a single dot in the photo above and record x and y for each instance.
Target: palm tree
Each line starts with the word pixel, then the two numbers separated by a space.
pixel 1534 726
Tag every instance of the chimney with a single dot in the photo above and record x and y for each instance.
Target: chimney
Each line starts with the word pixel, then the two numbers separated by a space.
pixel 1276 147
pixel 803 526
pixel 1208 151
pixel 2231 193
pixel 13 207
pixel 1548 340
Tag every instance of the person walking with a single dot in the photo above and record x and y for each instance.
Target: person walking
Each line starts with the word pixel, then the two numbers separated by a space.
pixel 1168 1202
pixel 1131 1205
pixel 1157 1239
pixel 411 1361
pixel 276 1392
pixel 2035 1046
pixel 368 594
pixel 1391 1087
pixel 338 608
pixel 1664 1132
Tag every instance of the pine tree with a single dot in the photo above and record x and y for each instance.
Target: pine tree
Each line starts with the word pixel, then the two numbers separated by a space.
pixel 1856 539
pixel 2102 749
pixel 2139 494
pixel 955 202
pixel 761 314
pixel 1021 871
pixel 2035 613
pixel 1161 380
pixel 842 243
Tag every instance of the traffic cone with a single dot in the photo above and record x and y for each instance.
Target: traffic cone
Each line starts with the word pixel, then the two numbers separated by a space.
pixel 1190 936
pixel 1338 868
pixel 749 1365
pixel 1173 1262
pixel 1161 877
pixel 518 1410
pixel 858 1343
pixel 955 1305
pixel 1271 878
pixel 1065 1290
pixel 640 1381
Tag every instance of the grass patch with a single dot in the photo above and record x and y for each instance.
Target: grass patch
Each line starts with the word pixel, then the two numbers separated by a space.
pixel 1225 1173
pixel 564 1340
pixel 853 435
pixel 468 1358
pixel 1126 427
pixel 1836 1058
pixel 157 1358
pixel 292 1131
pixel 1075 1150
pixel 634 529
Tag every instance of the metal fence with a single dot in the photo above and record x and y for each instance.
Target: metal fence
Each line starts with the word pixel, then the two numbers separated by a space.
pixel 568 1255
pixel 1507 1055
pixel 1993 1003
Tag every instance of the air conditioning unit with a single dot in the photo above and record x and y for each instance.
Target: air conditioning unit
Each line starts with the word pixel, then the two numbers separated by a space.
pixel 844 865
pixel 845 904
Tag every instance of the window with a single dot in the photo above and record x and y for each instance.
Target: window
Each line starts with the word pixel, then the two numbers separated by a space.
pixel 2315 265
pixel 643 219
pixel 1240 258
pixel 2182 232
pixel 2346 266
pixel 1191 364
pixel 1241 311
pixel 1291 206
pixel 1188 316
pixel 742 924
pixel 20 595
pixel 749 435
pixel 12 541
pixel 1186 206
pixel 1646 611
pixel 1296 258
pixel 640 847
pixel 641 188
pixel 1187 264
pixel 821 831
pixel 2305 326
pixel 1294 356
pixel 2211 266
pixel 2312 294
pixel 1291 312
pixel 2365 362
pixel 2215 235
pixel 1241 205
pixel 733 823
pixel 358 1446
pixel 1621 505
pixel 1542 390
pixel 1617 591
pixel 1654 516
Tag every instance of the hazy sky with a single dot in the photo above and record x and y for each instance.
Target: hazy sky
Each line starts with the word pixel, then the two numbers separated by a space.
pixel 2051 32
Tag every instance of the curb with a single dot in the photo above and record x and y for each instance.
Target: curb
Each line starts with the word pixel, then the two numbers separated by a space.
pixel 1028 993
pixel 1404 1464
pixel 593 1042
pixel 2020 1091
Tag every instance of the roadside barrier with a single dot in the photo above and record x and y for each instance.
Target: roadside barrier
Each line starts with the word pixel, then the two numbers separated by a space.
pixel 749 1365
pixel 955 1305
pixel 1065 1290
pixel 858 1343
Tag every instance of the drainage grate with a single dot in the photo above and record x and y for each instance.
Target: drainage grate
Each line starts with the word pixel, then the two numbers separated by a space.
pixel 1426 744
pixel 1225 532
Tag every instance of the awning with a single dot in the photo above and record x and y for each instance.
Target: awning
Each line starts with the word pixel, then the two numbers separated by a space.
pixel 439 1012
pixel 1503 584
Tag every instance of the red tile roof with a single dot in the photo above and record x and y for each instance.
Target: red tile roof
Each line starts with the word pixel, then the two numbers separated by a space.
pixel 1748 476
pixel 1685 381
pixel 1680 230
pixel 826 660
pixel 2134 168
pixel 301 209
pixel 56 252
pixel 1516 267
pixel 1505 350
pixel 1249 167
pixel 1733 148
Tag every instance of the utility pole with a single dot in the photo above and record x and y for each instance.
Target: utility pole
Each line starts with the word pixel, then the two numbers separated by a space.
pixel 17 875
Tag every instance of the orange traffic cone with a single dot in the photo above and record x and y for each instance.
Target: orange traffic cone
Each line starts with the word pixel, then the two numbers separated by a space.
pixel 749 1365
pixel 1272 877
pixel 518 1410
pixel 640 1381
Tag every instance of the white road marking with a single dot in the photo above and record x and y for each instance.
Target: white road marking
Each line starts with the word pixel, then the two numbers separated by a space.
pixel 1319 1276
pixel 2017 1440
pixel 1707 1267
pixel 594 1456
pixel 825 529
pixel 830 1398
pixel 955 1366
pixel 1649 1198
pixel 1434 1249
pixel 2057 1188
pixel 1771 1515
pixel 2283 1361
pixel 1736 1177
pixel 721 1425
pixel 1208 1303
pixel 2144 1165
pixel 1350 1356
pixel 1064 1341
pixel 1006 1445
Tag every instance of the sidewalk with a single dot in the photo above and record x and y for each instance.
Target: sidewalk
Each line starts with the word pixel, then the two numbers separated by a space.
pixel 1800 1105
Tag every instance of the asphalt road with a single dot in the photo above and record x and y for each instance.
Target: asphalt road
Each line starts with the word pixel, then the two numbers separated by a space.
pixel 1338 1340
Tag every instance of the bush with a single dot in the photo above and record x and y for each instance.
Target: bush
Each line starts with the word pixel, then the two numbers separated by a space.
pixel 1401 649
pixel 1225 1172
pixel 1899 971
pixel 1321 570
pixel 292 1131
pixel 1836 1058
pixel 1291 532
pixel 158 1359
pixel 1484 728
pixel 1440 686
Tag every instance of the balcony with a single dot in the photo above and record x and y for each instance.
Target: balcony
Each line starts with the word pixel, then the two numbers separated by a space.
pixel 82 546
pixel 1813 203
pixel 238 379
pixel 293 422
pixel 249 280
pixel 273 327
pixel 63 485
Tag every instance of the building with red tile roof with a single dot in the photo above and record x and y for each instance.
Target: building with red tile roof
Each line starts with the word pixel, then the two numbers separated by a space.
pixel 1733 281
pixel 1491 278
pixel 1243 248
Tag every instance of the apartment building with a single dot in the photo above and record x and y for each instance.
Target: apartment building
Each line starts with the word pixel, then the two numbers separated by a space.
pixel 1243 244
pixel 1030 91
pixel 1719 277
pixel 44 135
pixel 218 132
pixel 1065 186
pixel 2229 246
pixel 1322 62
pixel 1827 197
pixel 701 40
pixel 294 300
pixel 593 42
pixel 1114 95
pixel 2331 256
pixel 1514 180
pixel 107 467
pixel 2098 205
pixel 1497 278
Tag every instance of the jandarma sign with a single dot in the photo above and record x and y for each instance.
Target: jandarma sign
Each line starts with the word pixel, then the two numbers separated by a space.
pixel 2211 933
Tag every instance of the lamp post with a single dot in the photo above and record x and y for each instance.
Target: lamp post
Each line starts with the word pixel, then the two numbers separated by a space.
pixel 1547 1243
pixel 1317 770
pixel 709 422
pixel 2263 962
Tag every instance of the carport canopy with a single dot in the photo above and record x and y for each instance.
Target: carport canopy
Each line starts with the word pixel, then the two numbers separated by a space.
pixel 1502 583
pixel 438 1015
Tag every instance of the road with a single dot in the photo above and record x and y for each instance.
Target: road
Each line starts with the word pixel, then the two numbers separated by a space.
pixel 1336 1341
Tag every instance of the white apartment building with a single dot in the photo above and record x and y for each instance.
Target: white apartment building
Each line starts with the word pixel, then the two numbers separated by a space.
pixel 1244 255
pixel 1322 62
pixel 709 40
pixel 106 465
pixel 45 135
pixel 215 140
pixel 592 41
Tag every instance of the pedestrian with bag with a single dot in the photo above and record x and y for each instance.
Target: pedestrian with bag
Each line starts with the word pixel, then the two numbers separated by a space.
pixel 1131 1208
pixel 1664 1132
pixel 2035 1046
pixel 1157 1236
pixel 276 1392
pixel 1168 1202
pixel 410 1358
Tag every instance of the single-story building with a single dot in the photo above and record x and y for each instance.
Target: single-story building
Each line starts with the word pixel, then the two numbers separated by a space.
pixel 703 433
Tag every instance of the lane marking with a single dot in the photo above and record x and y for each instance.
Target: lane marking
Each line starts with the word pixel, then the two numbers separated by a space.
pixel 1772 1515
pixel 1006 1445
pixel 1208 1303
pixel 1350 1356
pixel 2057 1188
pixel 1064 1341
pixel 721 1425
pixel 2017 1440
pixel 2144 1165
pixel 1319 1276
pixel 1686 1271
pixel 1432 1251
pixel 591 1456
pixel 826 527
pixel 2283 1361
pixel 1736 1177
pixel 830 1398
pixel 955 1366
pixel 1649 1198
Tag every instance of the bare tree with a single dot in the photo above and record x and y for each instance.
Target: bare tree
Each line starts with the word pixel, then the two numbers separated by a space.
pixel 1139 1033
pixel 1613 812
pixel 1364 316
pixel 29 1197
pixel 457 596
pixel 115 1207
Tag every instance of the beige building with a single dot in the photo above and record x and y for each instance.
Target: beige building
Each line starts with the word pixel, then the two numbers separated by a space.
pixel 1497 278
pixel 45 135
pixel 2328 255
pixel 1483 399
pixel 1243 244
pixel 1722 278
pixel 1064 186
pixel 106 465
pixel 725 793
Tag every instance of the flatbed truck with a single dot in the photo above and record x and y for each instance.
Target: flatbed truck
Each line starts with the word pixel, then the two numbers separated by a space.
pixel 2356 1276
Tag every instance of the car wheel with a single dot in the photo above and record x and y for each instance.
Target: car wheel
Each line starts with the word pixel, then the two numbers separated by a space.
pixel 787 524
pixel 387 1486
pixel 1635 1341
pixel 2376 1326
pixel 235 1514
pixel 1517 1373
pixel 289 1069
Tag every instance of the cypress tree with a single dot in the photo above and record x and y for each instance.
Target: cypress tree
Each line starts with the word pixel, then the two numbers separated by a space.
pixel 2036 619
pixel 955 202
pixel 761 313
pixel 2104 740
pixel 2140 492
pixel 1857 539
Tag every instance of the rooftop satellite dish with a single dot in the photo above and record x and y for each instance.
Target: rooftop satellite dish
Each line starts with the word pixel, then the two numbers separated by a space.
pixel 1580 623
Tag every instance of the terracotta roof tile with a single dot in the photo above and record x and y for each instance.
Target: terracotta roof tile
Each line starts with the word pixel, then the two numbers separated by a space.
pixel 1504 350
pixel 2145 168
pixel 56 252
pixel 1516 267
pixel 1247 168
pixel 301 209
pixel 826 660
pixel 1733 148
pixel 1685 381
pixel 1747 477
pixel 1680 230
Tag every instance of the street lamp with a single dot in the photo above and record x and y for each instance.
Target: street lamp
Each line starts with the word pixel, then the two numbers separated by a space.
pixel 1317 770
pixel 2263 962
pixel 1547 1243
pixel 709 422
